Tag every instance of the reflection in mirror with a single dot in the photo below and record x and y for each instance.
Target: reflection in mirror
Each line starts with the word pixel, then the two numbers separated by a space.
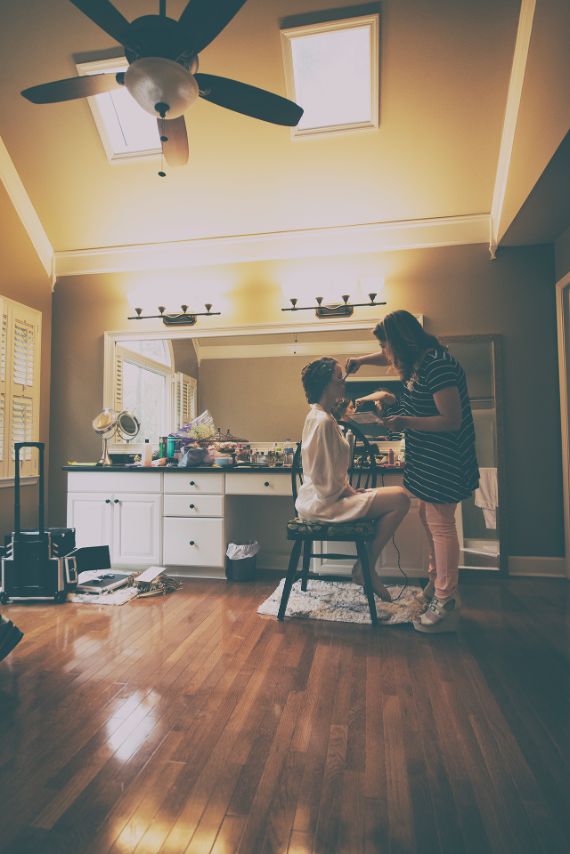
pixel 128 425
pixel 478 516
pixel 251 385
pixel 147 386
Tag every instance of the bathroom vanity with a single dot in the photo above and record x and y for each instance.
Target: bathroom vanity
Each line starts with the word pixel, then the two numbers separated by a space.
pixel 249 379
pixel 184 518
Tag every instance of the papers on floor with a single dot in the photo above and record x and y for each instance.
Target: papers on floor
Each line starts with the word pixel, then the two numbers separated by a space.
pixel 115 597
pixel 109 587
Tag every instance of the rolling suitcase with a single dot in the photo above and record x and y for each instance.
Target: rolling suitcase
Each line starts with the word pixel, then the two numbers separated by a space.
pixel 33 565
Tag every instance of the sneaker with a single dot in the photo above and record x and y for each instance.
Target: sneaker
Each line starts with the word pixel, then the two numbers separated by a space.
pixel 379 589
pixel 427 594
pixel 10 636
pixel 442 615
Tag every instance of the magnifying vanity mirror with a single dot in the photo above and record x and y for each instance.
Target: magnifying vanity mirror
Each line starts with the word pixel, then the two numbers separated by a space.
pixel 249 380
pixel 109 423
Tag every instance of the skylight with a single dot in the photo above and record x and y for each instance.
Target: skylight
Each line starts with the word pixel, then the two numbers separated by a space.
pixel 125 129
pixel 332 71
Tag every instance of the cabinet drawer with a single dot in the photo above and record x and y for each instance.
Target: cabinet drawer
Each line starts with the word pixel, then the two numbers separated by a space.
pixel 193 542
pixel 253 483
pixel 192 482
pixel 193 505
pixel 99 481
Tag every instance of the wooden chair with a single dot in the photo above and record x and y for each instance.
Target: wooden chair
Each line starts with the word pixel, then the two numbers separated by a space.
pixel 362 474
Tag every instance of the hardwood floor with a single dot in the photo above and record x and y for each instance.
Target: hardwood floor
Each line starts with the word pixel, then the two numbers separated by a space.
pixel 189 723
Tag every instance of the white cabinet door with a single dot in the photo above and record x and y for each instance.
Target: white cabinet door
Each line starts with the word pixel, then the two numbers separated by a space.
pixel 130 524
pixel 136 528
pixel 194 542
pixel 91 514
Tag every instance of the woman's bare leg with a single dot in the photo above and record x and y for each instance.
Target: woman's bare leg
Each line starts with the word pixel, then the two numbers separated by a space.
pixel 389 506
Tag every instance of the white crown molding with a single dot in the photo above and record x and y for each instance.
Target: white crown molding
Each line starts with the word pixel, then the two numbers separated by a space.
pixel 520 57
pixel 290 348
pixel 296 243
pixel 562 302
pixel 26 211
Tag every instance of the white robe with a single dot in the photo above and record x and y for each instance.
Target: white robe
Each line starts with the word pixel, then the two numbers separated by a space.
pixel 326 457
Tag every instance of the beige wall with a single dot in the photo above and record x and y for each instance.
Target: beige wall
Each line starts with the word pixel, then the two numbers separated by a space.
pixel 457 289
pixel 23 278
pixel 243 394
pixel 185 359
pixel 544 114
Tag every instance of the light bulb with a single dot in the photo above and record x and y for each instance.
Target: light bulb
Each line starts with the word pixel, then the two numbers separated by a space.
pixel 154 81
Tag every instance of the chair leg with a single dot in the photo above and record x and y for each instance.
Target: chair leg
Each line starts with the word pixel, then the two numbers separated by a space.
pixel 368 589
pixel 290 578
pixel 307 549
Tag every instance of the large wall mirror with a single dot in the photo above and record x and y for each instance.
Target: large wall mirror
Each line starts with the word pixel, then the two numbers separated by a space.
pixel 249 380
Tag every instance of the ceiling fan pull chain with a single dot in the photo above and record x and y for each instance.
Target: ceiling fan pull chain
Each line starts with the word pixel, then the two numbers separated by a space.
pixel 163 138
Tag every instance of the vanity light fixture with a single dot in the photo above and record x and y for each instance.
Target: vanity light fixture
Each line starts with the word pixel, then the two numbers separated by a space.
pixel 343 309
pixel 183 318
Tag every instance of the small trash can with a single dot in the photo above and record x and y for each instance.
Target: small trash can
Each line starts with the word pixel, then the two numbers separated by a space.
pixel 241 561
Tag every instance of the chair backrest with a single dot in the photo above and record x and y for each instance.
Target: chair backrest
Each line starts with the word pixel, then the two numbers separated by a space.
pixel 296 472
pixel 362 472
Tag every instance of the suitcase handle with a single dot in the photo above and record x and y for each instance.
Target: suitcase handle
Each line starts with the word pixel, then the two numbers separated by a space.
pixel 41 511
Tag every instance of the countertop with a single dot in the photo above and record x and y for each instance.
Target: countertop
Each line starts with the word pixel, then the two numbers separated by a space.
pixel 285 470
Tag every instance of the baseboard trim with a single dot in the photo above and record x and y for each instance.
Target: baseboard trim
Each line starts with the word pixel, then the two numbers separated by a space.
pixel 537 567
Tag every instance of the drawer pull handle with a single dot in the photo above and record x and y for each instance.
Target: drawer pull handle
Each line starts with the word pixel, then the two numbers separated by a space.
pixel 191 543
pixel 116 501
pixel 192 506
pixel 192 483
pixel 266 483
pixel 107 501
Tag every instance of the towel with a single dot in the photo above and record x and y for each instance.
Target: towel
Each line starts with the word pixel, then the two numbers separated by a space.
pixel 487 496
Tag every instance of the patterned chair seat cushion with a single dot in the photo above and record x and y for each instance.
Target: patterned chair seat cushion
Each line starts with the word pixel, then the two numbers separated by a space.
pixel 362 528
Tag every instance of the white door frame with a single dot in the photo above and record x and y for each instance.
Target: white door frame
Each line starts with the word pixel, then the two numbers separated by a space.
pixel 563 324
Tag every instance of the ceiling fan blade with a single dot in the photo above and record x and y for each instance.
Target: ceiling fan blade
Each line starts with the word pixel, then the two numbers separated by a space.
pixel 201 21
pixel 105 16
pixel 248 100
pixel 70 89
pixel 174 140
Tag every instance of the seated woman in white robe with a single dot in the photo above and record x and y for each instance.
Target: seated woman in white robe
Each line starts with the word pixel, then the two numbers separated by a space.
pixel 326 494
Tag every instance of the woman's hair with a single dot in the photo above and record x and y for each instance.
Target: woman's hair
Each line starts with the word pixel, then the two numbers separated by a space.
pixel 339 409
pixel 316 376
pixel 407 340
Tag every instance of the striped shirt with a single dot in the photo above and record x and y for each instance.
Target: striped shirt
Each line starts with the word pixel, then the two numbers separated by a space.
pixel 440 468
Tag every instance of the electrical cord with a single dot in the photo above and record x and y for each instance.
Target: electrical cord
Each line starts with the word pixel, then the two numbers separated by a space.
pixel 398 561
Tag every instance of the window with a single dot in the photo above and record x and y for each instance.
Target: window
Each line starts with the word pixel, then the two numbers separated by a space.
pixel 147 384
pixel 125 129
pixel 332 71
pixel 20 340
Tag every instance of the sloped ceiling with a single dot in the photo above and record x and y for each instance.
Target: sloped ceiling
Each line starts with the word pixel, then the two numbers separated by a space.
pixel 444 75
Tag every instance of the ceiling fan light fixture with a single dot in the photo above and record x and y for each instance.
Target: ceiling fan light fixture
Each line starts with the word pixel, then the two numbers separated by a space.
pixel 153 80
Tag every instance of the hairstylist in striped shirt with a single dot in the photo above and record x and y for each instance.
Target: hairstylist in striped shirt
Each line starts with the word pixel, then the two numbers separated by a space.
pixel 441 466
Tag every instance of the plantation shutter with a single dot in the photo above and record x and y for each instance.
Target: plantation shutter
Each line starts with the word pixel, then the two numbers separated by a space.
pixel 185 399
pixel 20 340
pixel 3 380
pixel 118 385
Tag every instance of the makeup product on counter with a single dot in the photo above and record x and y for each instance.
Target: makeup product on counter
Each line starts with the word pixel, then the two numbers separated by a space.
pixel 147 453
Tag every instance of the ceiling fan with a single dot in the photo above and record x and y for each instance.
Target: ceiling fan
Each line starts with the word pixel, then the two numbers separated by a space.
pixel 163 72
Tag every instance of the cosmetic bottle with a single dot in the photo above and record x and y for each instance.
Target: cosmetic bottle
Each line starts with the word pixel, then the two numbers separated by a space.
pixel 147 453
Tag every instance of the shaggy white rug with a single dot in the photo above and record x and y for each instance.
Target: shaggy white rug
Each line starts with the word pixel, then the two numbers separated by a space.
pixel 344 602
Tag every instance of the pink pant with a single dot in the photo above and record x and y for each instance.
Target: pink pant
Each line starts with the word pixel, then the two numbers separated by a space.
pixel 443 566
